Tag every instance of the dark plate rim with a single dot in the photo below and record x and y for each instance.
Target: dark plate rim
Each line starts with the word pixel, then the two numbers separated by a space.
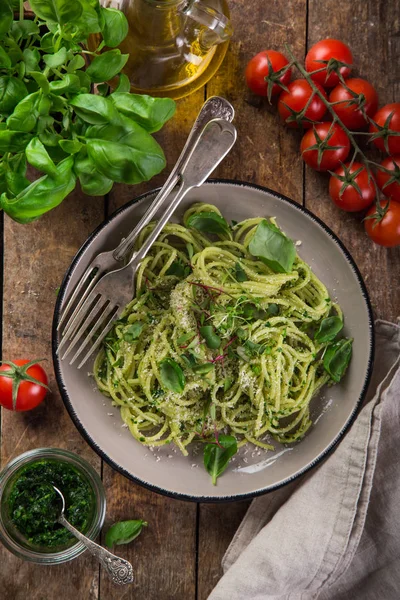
pixel 211 499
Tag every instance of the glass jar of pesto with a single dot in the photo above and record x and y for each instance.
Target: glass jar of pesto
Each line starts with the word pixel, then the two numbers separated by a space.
pixel 29 505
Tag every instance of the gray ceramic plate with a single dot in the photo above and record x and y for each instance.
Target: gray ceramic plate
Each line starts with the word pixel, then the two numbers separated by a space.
pixel 252 472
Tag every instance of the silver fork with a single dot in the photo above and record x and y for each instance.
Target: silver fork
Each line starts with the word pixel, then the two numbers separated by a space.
pixel 106 301
pixel 215 107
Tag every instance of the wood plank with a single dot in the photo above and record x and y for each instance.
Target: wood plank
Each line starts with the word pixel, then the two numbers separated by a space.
pixel 35 259
pixel 372 31
pixel 267 154
pixel 164 557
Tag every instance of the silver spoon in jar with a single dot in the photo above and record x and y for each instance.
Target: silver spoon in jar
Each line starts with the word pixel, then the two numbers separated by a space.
pixel 118 569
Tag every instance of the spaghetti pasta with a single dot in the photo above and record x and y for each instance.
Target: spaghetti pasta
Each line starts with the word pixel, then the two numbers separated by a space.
pixel 215 341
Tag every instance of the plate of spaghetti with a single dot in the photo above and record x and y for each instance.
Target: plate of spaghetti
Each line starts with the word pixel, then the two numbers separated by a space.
pixel 243 356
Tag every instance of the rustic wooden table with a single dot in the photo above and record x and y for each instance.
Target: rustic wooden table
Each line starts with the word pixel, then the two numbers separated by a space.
pixel 178 557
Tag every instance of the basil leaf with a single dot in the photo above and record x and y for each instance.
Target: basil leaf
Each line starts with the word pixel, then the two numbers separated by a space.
pixel 240 274
pixel 42 195
pixel 77 62
pixel 6 16
pixel 106 66
pixel 25 115
pixel 92 182
pixel 250 311
pixel 93 109
pixel 24 29
pixel 328 329
pixel 13 141
pixel 216 459
pixel 5 62
pixel 178 269
pixel 31 59
pixel 71 146
pixel 41 80
pixel 190 250
pixel 185 338
pixel 172 376
pixel 133 332
pixel 208 222
pixel 337 358
pixel 126 153
pixel 124 532
pixel 12 91
pixel 271 246
pixel 189 359
pixel 253 348
pixel 16 183
pixel 124 85
pixel 39 158
pixel 213 341
pixel 115 26
pixel 56 60
pixel 203 369
pixel 60 11
pixel 70 83
pixel 151 113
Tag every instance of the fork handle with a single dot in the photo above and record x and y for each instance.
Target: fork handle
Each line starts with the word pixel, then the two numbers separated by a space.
pixel 212 108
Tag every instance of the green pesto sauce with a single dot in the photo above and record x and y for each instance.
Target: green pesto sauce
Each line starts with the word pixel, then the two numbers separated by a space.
pixel 34 505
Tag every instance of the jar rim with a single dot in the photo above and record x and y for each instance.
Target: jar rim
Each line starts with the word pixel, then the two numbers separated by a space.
pixel 71 552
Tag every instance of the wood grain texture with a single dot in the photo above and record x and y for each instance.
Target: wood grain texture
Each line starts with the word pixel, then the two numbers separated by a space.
pixel 372 29
pixel 35 259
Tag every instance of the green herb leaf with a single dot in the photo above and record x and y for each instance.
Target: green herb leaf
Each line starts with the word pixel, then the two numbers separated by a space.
pixel 5 62
pixel 328 329
pixel 92 181
pixel 41 80
pixel 16 183
pixel 240 274
pixel 94 109
pixel 124 532
pixel 24 29
pixel 185 338
pixel 6 16
pixel 272 310
pixel 271 246
pixel 124 85
pixel 25 114
pixel 228 381
pixel 203 369
pixel 178 269
pixel 70 84
pixel 70 146
pixel 126 153
pixel 115 26
pixel 172 376
pixel 106 66
pixel 213 340
pixel 242 353
pixel 12 91
pixel 31 59
pixel 60 11
pixel 337 358
pixel 39 158
pixel 190 250
pixel 56 60
pixel 216 459
pixel 133 332
pixel 76 63
pixel 208 222
pixel 151 113
pixel 13 141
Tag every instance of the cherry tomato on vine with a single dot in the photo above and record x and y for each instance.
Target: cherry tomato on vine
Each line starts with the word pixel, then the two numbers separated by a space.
pixel 292 102
pixel 384 231
pixel 350 187
pixel 389 183
pixel 350 108
pixel 387 119
pixel 330 54
pixel 23 384
pixel 325 146
pixel 263 73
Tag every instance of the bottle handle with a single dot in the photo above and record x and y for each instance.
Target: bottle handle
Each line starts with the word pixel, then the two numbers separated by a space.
pixel 218 28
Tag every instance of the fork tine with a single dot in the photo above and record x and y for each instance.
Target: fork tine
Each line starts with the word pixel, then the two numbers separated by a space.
pixel 106 312
pixel 72 324
pixel 101 337
pixel 77 290
pixel 83 325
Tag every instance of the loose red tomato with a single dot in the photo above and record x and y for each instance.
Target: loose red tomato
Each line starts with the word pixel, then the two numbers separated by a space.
pixel 352 190
pixel 329 54
pixel 386 231
pixel 316 143
pixel 264 73
pixel 351 109
pixel 292 102
pixel 389 183
pixel 387 120
pixel 23 384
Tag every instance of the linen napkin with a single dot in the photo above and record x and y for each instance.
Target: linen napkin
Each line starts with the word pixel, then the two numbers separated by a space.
pixel 333 534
